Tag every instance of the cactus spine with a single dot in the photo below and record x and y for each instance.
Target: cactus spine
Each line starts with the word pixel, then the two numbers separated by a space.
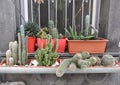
pixel 23 58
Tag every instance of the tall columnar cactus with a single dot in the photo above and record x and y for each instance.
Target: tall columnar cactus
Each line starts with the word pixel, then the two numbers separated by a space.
pixel 12 54
pixel 22 40
pixel 53 31
pixel 8 55
pixel 87 21
pixel 15 52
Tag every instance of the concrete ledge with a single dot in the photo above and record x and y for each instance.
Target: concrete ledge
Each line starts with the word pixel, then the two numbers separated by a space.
pixel 52 70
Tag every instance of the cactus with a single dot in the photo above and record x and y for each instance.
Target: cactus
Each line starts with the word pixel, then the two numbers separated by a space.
pixel 72 66
pixel 62 68
pixel 15 52
pixel 23 58
pixel 85 55
pixel 83 63
pixel 53 31
pixel 10 61
pixel 8 55
pixel 76 57
pixel 108 60
pixel 44 33
pixel 46 56
pixel 12 53
pixel 10 45
pixel 93 60
pixel 87 21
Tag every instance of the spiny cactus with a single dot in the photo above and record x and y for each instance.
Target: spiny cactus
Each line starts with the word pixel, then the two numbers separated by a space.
pixel 62 68
pixel 11 61
pixel 83 63
pixel 43 33
pixel 46 56
pixel 12 54
pixel 85 55
pixel 108 60
pixel 15 52
pixel 72 66
pixel 22 51
pixel 87 21
pixel 8 55
pixel 53 31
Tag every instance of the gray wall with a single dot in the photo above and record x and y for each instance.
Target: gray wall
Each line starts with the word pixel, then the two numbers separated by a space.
pixel 7 23
pixel 114 26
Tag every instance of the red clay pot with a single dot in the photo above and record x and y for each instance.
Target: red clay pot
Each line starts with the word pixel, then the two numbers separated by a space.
pixel 61 45
pixel 41 43
pixel 31 44
pixel 92 46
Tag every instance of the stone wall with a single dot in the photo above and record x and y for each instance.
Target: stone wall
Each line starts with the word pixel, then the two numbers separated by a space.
pixel 67 79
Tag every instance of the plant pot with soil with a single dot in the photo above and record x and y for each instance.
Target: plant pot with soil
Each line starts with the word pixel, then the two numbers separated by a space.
pixel 87 41
pixel 31 30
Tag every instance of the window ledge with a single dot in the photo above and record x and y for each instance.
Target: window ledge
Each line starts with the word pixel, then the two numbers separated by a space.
pixel 52 70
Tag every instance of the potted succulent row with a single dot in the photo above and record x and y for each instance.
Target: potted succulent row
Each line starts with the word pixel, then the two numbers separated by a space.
pixel 52 33
pixel 87 41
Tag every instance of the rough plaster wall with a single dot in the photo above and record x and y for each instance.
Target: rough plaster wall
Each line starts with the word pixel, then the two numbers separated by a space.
pixel 67 79
pixel 114 26
pixel 7 23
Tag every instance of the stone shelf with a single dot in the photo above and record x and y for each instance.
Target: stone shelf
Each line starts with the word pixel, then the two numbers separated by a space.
pixel 52 70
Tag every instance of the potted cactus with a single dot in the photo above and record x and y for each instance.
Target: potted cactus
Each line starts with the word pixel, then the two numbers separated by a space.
pixel 51 32
pixel 42 35
pixel 55 35
pixel 85 41
pixel 31 31
pixel 46 56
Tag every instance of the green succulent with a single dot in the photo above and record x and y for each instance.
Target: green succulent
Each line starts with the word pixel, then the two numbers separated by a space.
pixel 31 29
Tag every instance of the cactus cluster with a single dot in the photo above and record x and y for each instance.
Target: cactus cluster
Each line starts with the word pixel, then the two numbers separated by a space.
pixel 12 54
pixel 84 60
pixel 46 56
pixel 22 47
pixel 43 33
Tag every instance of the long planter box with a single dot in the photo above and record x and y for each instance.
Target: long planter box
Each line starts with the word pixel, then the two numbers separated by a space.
pixel 92 46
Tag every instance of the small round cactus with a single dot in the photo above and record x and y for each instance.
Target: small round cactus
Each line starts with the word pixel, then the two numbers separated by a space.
pixel 108 60
pixel 85 55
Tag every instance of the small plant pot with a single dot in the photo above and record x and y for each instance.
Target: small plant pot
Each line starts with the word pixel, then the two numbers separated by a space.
pixel 41 43
pixel 31 44
pixel 61 45
pixel 92 46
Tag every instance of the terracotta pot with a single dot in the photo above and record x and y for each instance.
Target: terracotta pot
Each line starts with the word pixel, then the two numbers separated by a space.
pixel 31 44
pixel 92 46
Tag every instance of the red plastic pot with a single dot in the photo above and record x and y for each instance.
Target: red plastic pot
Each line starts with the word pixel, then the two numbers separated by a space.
pixel 31 44
pixel 61 45
pixel 41 43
